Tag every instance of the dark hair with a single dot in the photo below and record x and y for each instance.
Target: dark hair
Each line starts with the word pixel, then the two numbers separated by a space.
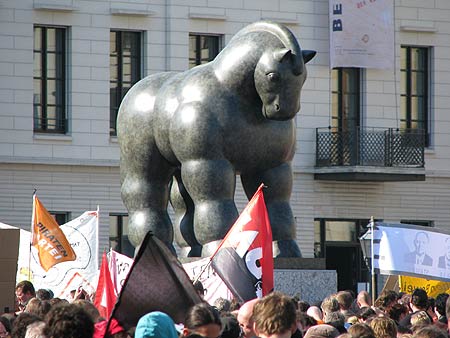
pixel 361 330
pixel 43 294
pixel 396 311
pixel 68 321
pixel 365 313
pixel 419 298
pixel 6 324
pixel 430 331
pixel 344 299
pixel 201 314
pixel 441 299
pixel 26 287
pixel 21 322
pixel 386 298
pixel 303 306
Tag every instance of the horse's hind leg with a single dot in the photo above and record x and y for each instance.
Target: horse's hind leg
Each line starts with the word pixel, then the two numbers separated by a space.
pixel 183 206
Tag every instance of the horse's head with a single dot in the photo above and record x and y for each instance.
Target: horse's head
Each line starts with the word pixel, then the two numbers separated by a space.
pixel 279 77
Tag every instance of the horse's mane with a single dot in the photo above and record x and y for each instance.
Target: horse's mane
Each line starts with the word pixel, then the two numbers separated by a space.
pixel 282 33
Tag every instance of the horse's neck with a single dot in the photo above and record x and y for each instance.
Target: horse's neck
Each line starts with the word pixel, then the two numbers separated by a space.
pixel 234 69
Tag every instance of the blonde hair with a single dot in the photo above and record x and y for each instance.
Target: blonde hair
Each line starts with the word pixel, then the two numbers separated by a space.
pixel 274 314
pixel 384 327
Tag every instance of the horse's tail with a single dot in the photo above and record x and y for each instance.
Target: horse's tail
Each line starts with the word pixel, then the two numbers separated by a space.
pixel 283 34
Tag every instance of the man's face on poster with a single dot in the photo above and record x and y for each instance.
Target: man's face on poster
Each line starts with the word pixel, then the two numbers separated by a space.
pixel 421 243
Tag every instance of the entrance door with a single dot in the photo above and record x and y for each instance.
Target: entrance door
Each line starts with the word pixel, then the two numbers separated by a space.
pixel 346 261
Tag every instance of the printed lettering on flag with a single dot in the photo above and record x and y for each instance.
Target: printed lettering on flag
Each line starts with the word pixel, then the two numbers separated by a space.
pixel 244 259
pixel 119 266
pixel 48 238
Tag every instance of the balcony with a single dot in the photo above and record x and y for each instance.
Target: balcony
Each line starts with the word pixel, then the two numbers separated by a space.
pixel 370 154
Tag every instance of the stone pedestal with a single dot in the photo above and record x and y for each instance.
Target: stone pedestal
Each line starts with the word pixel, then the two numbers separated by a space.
pixel 305 278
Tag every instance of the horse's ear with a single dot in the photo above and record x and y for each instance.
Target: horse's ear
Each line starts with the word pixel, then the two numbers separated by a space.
pixel 282 54
pixel 308 55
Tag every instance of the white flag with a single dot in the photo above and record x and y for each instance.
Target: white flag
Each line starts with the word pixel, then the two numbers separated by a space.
pixel 362 33
pixel 119 266
pixel 82 234
pixel 412 250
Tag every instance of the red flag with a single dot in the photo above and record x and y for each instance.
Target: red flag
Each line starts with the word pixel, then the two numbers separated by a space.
pixel 48 238
pixel 244 259
pixel 105 297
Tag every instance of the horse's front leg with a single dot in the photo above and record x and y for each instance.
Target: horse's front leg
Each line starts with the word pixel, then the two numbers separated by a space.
pixel 211 185
pixel 277 195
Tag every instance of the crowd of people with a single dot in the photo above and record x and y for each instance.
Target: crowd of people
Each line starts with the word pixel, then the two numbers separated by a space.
pixel 40 315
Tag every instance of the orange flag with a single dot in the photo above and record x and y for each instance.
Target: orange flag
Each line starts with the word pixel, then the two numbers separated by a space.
pixel 48 238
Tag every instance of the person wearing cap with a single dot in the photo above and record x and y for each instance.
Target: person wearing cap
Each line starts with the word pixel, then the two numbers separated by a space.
pixel 155 324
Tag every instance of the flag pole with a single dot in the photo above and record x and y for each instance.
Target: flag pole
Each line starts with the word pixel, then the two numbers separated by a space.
pixel 32 234
pixel 372 269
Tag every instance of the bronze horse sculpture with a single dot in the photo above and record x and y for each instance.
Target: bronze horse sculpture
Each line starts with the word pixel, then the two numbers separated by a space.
pixel 185 136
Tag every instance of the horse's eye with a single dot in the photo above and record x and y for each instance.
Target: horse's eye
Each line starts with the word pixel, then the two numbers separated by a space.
pixel 274 77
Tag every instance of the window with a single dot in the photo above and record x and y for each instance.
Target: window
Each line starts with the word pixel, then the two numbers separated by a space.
pixel 202 48
pixel 118 235
pixel 124 67
pixel 49 77
pixel 416 222
pixel 60 217
pixel 345 92
pixel 414 68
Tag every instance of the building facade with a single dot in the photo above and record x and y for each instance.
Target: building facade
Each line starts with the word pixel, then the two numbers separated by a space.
pixel 66 64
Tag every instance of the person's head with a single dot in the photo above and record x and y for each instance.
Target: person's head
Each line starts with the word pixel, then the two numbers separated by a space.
pixel 21 323
pixel 155 325
pixel 274 316
pixel 329 304
pixel 419 299
pixel 5 327
pixel 68 321
pixel 35 330
pixel 386 300
pixel 303 306
pixel 398 311
pixel 315 312
pixel 430 331
pixel 439 304
pixel 230 326
pixel 361 330
pixel 222 304
pixel 363 299
pixel 344 299
pixel 421 242
pixel 365 313
pixel 336 319
pixel 33 306
pixel 384 327
pixel 304 321
pixel 24 292
pixel 321 331
pixel 90 309
pixel 202 319
pixel 245 318
pixel 44 294
pixel 198 286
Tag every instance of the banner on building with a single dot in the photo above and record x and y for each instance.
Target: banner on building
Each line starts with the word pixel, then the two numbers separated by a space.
pixel 412 250
pixel 432 287
pixel 362 33
pixel 64 277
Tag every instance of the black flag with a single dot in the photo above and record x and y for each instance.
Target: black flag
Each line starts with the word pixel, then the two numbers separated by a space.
pixel 156 282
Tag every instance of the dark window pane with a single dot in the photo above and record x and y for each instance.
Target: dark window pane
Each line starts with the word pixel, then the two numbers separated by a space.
pixel 51 39
pixel 202 48
pixel 125 68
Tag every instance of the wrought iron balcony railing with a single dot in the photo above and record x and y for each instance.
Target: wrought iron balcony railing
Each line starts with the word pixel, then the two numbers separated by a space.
pixel 382 147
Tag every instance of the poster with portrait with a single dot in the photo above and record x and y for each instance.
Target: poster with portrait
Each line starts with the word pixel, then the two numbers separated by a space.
pixel 412 250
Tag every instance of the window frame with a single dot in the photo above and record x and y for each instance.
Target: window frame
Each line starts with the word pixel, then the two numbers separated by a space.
pixel 406 116
pixel 342 94
pixel 198 40
pixel 134 78
pixel 120 233
pixel 41 124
